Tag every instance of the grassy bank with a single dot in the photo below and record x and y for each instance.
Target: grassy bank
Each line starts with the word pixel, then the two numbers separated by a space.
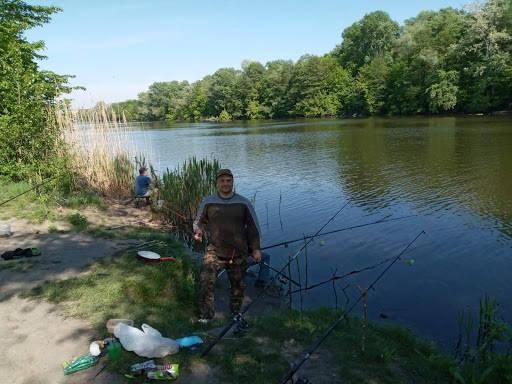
pixel 164 296
pixel 47 202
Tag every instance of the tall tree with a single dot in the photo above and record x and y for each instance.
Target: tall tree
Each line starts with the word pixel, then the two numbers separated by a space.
pixel 275 87
pixel 371 36
pixel 29 137
pixel 225 93
pixel 253 73
pixel 370 93
pixel 484 57
pixel 427 47
pixel 319 87
pixel 166 99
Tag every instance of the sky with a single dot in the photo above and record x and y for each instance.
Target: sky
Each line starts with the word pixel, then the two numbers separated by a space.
pixel 117 48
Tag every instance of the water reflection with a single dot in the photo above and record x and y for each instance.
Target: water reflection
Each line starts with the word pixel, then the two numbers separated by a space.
pixel 457 170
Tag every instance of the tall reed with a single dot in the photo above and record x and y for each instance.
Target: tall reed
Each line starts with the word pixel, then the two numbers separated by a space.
pixel 183 189
pixel 100 150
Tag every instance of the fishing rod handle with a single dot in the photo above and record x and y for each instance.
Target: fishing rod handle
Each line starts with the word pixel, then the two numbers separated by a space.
pixel 217 339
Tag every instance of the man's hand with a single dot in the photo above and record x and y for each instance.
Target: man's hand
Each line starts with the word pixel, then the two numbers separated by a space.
pixel 198 236
pixel 256 255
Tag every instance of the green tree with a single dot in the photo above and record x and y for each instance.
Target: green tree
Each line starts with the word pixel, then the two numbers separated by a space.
pixel 224 116
pixel 402 93
pixel 275 102
pixel 132 110
pixel 319 87
pixel 166 99
pixel 371 36
pixel 437 31
pixel 29 136
pixel 427 46
pixel 196 102
pixel 484 57
pixel 253 73
pixel 442 94
pixel 370 92
pixel 226 93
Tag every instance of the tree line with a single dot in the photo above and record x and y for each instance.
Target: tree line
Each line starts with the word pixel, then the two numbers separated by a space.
pixel 446 61
pixel 439 61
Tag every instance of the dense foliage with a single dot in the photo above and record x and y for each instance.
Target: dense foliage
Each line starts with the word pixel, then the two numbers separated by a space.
pixel 29 139
pixel 439 61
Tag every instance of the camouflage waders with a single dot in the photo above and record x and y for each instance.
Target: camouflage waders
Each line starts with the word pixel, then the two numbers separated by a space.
pixel 212 264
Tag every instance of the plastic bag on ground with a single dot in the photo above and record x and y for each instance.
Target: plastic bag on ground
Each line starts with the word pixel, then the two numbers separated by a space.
pixel 5 230
pixel 147 342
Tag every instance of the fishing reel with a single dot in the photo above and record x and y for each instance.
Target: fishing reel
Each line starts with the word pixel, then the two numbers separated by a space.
pixel 242 326
pixel 281 280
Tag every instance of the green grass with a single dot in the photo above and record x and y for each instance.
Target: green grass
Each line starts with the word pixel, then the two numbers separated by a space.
pixel 41 204
pixel 83 199
pixel 164 295
pixel 160 294
pixel 34 206
pixel 392 355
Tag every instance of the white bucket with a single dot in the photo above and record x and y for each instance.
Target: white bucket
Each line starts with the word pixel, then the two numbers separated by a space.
pixel 5 230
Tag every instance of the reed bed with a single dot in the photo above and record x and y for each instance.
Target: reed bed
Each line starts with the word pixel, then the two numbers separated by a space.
pixel 100 150
pixel 102 156
pixel 182 191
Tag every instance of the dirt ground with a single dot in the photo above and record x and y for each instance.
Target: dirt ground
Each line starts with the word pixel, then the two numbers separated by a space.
pixel 36 335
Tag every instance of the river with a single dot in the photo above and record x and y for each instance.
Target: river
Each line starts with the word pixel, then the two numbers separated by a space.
pixel 453 173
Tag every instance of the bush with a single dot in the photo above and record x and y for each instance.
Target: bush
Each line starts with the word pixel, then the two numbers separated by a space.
pixel 78 221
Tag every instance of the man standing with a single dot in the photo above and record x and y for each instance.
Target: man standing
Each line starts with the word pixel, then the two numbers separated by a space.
pixel 232 231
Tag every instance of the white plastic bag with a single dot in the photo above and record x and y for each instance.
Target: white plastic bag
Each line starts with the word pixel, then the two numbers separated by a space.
pixel 5 230
pixel 146 343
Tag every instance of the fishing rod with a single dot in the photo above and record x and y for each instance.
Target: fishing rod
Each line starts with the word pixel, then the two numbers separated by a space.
pixel 339 277
pixel 15 197
pixel 239 317
pixel 383 220
pixel 279 273
pixel 295 367
pixel 272 269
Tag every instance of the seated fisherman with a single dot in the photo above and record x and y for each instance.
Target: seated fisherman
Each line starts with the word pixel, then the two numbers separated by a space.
pixel 142 183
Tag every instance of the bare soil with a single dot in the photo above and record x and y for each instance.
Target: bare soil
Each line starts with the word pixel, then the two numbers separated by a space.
pixel 36 335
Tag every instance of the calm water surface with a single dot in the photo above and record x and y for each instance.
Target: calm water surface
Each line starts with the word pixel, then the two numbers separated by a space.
pixel 457 171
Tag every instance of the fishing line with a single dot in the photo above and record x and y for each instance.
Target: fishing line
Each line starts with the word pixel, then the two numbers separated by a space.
pixel 333 278
pixel 383 220
pixel 295 367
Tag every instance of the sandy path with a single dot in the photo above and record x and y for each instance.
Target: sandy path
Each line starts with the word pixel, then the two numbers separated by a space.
pixel 36 334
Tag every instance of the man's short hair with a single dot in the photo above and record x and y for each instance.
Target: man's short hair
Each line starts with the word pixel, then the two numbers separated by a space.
pixel 142 170
pixel 224 171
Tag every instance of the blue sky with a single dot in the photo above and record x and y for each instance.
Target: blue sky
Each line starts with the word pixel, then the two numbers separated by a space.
pixel 117 48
